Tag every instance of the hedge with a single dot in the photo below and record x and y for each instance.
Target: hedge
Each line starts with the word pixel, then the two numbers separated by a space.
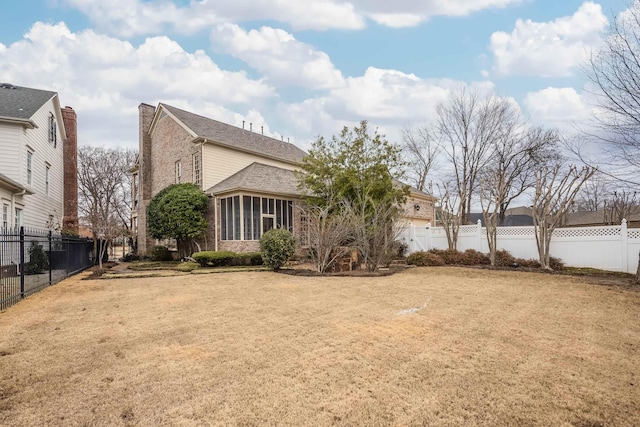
pixel 226 258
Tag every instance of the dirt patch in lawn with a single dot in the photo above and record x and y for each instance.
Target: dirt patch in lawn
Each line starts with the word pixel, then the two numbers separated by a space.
pixel 427 346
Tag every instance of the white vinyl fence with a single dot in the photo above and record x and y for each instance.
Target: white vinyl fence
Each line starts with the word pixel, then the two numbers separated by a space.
pixel 614 247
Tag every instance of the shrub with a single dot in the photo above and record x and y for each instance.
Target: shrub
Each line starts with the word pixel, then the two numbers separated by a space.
pixel 276 247
pixel 213 258
pixel 449 256
pixel 161 253
pixel 423 259
pixel 473 257
pixel 38 261
pixel 249 258
pixel 528 263
pixel 130 257
pixel 556 264
pixel 504 259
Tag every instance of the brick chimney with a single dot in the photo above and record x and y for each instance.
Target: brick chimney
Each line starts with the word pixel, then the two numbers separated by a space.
pixel 70 165
pixel 146 113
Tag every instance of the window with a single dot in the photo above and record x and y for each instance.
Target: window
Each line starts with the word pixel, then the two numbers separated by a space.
pixel 248 218
pixel 53 132
pixel 5 216
pixel 18 217
pixel 134 190
pixel 29 169
pixel 196 169
pixel 47 170
pixel 304 230
pixel 178 172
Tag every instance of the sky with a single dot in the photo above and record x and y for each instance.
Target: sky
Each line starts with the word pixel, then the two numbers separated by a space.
pixel 301 69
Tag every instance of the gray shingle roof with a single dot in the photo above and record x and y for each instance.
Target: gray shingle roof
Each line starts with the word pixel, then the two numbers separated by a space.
pixel 21 103
pixel 232 136
pixel 259 178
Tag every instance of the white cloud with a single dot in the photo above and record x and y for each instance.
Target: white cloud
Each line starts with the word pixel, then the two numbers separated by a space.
pixel 104 79
pixel 549 48
pixel 131 17
pixel 562 108
pixel 278 55
pixel 387 98
pixel 397 20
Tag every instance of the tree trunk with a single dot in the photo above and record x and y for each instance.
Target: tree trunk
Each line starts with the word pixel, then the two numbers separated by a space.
pixel 638 270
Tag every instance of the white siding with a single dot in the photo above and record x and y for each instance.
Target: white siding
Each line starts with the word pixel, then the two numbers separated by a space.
pixel 219 163
pixel 10 143
pixel 39 205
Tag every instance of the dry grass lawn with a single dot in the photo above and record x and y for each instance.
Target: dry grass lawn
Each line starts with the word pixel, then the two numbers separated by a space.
pixel 428 346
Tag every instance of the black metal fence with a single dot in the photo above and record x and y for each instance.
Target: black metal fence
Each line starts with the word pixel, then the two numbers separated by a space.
pixel 31 260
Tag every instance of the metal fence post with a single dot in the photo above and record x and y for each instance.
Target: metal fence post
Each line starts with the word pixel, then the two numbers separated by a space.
pixel 21 262
pixel 50 255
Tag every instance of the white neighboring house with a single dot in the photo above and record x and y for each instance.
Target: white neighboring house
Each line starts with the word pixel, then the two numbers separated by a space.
pixel 33 159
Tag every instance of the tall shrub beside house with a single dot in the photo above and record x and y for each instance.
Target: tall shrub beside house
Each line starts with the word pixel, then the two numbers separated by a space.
pixel 177 212
pixel 352 177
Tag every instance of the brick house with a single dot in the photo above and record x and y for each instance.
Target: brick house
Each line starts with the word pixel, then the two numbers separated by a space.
pixel 38 166
pixel 249 178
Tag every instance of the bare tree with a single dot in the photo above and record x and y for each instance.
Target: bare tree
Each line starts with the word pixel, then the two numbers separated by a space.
pixel 420 152
pixel 621 205
pixel 446 214
pixel 555 190
pixel 517 153
pixel 615 71
pixel 468 127
pixel 328 234
pixel 376 227
pixel 593 194
pixel 104 190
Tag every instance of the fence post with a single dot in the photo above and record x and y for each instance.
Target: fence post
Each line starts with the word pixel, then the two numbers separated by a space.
pixel 479 233
pixel 21 262
pixel 412 238
pixel 50 254
pixel 428 239
pixel 624 235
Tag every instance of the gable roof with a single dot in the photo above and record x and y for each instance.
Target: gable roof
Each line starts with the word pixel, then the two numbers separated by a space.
pixel 230 136
pixel 259 178
pixel 21 103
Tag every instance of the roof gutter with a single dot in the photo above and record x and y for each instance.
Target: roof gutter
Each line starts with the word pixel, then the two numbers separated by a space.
pixel 30 124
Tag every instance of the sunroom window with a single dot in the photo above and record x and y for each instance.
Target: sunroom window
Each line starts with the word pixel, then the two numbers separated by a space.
pixel 246 217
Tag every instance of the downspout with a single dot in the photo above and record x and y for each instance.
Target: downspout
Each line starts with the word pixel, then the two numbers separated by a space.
pixel 215 222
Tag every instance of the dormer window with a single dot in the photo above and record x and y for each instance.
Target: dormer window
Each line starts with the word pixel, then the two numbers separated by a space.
pixel 53 134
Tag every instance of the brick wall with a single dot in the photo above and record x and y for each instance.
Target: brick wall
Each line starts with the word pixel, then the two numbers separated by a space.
pixel 424 211
pixel 170 143
pixel 70 174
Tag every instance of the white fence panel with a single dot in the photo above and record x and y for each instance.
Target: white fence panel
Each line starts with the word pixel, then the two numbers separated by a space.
pixel 612 248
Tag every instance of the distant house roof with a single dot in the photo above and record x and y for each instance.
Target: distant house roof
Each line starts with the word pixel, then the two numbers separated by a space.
pixel 509 220
pixel 234 137
pixel 413 190
pixel 259 178
pixel 21 103
pixel 599 217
